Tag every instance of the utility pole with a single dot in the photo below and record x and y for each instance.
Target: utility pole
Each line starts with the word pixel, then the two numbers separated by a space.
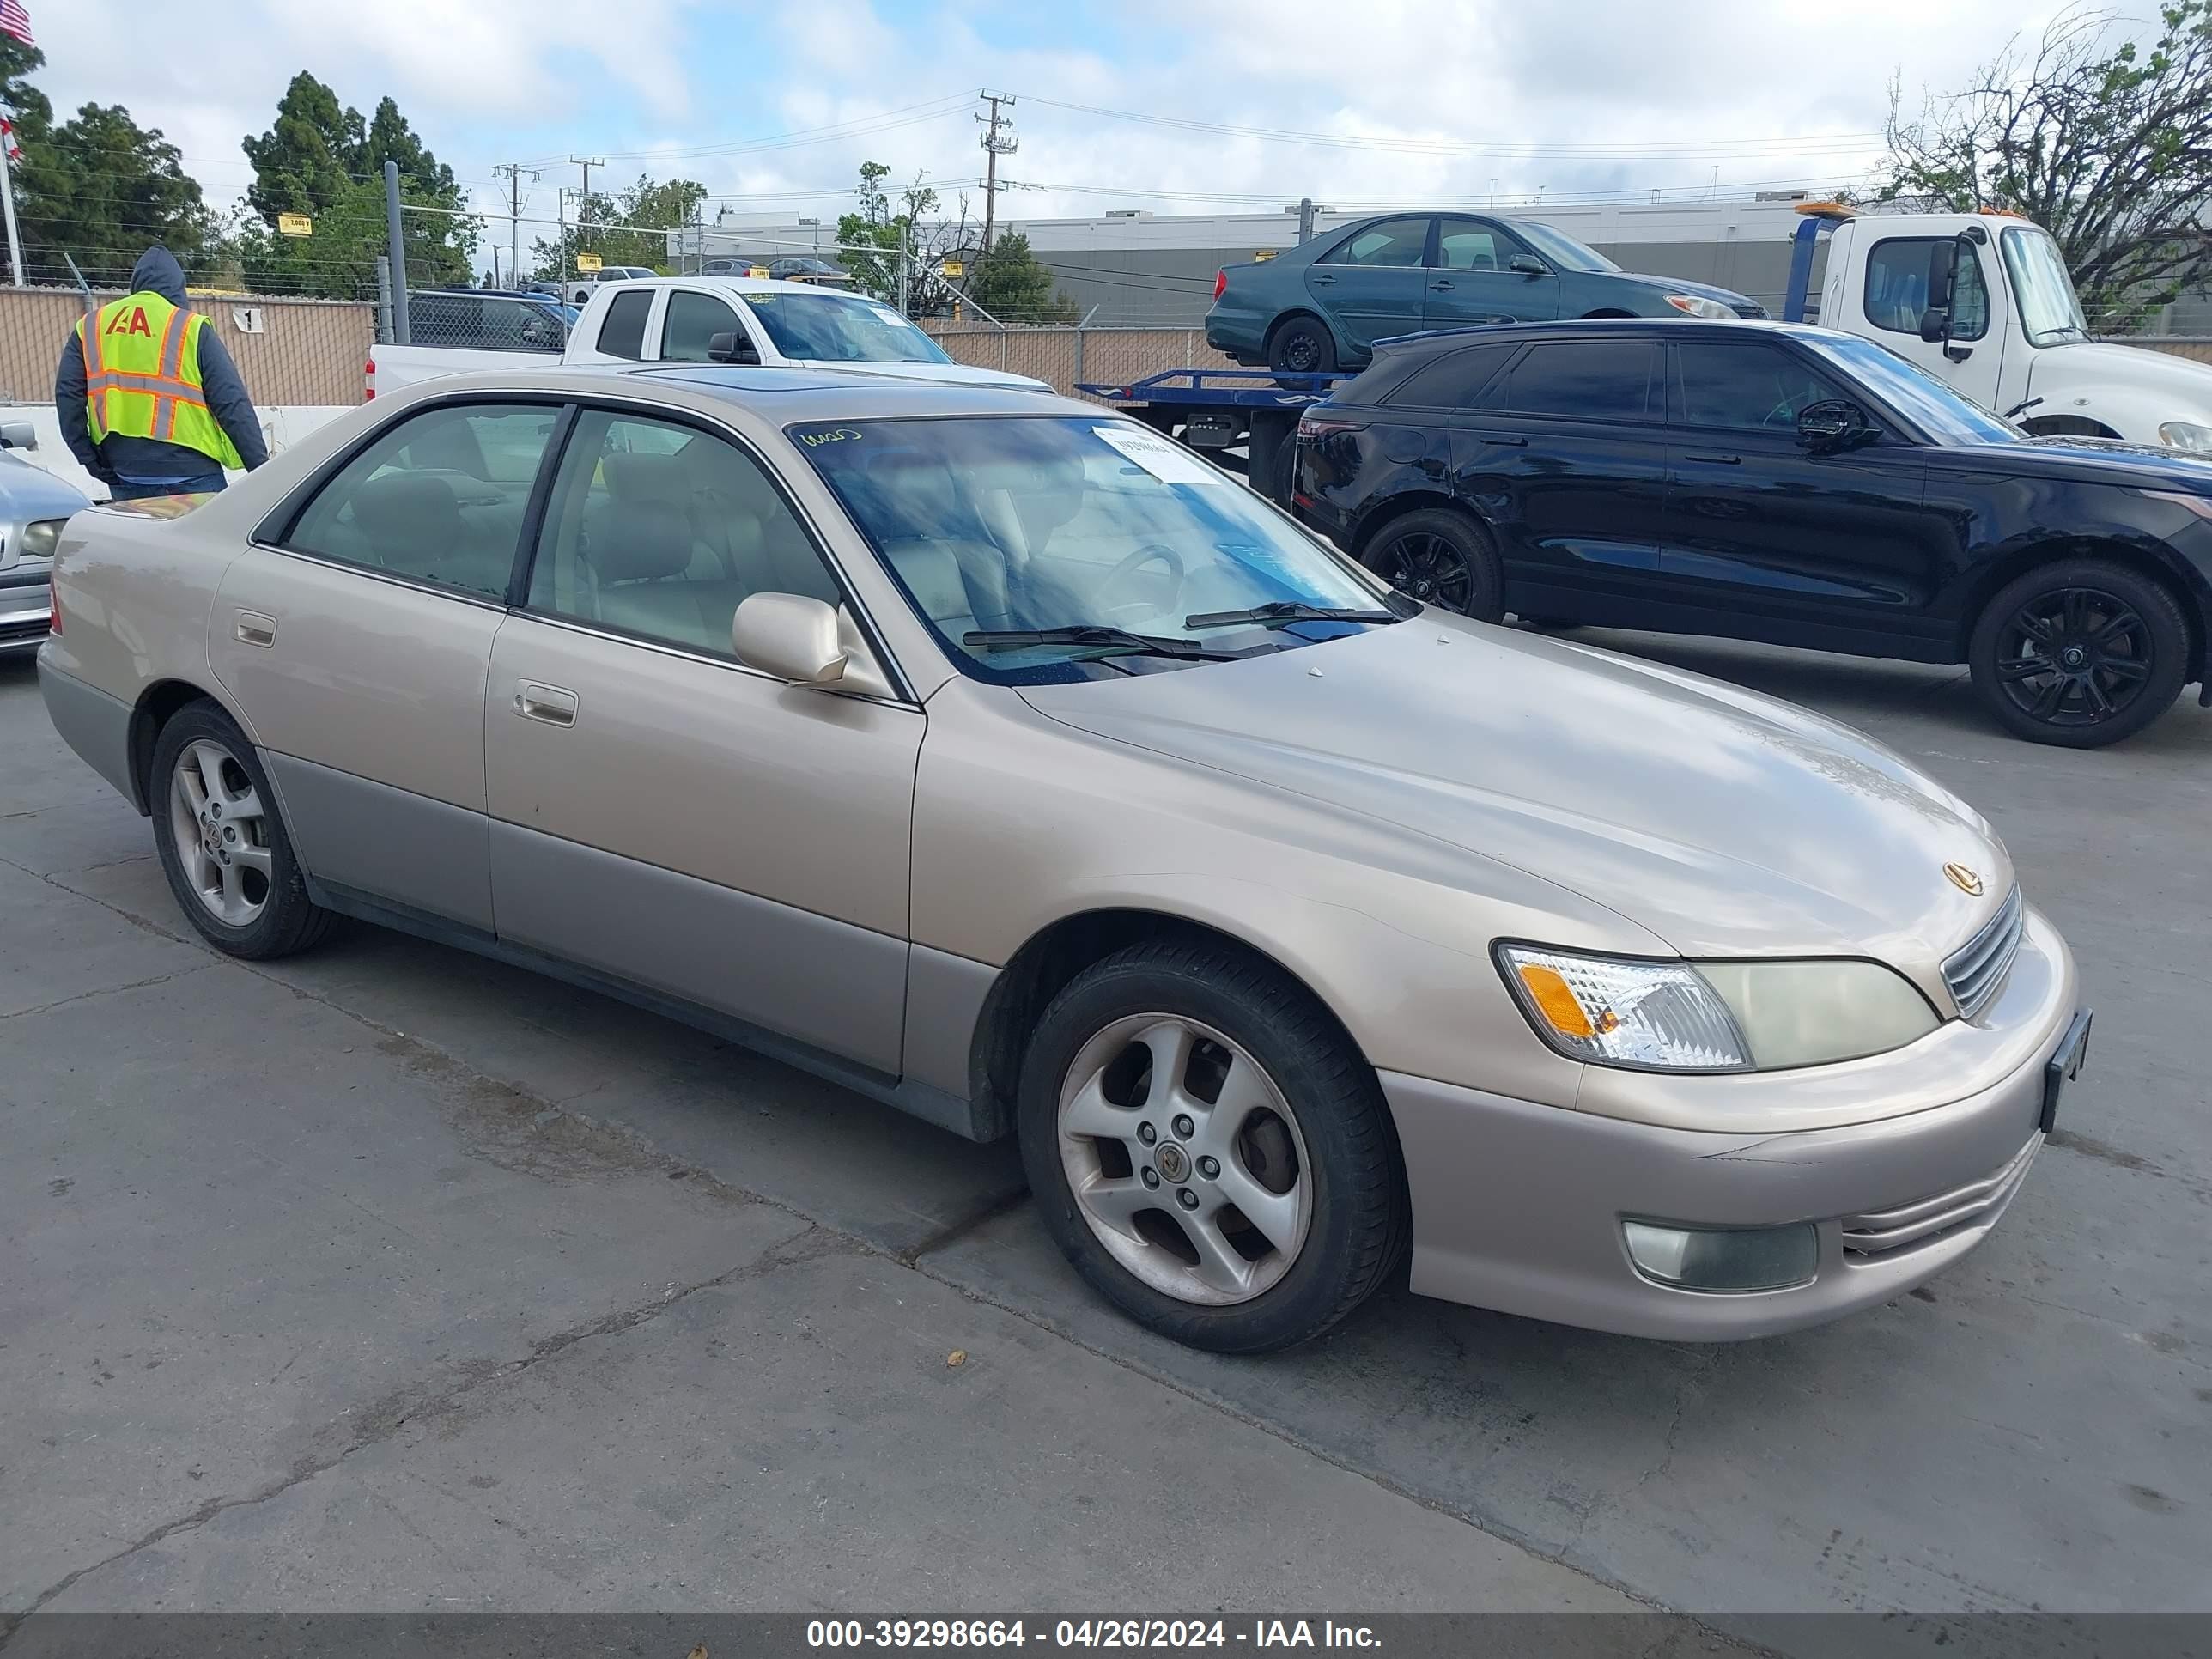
pixel 997 139
pixel 514 171
pixel 584 202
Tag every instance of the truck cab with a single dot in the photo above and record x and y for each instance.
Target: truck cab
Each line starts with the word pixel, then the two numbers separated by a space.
pixel 1984 301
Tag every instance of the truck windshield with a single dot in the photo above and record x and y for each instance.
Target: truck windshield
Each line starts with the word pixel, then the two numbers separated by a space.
pixel 837 328
pixel 1913 391
pixel 1042 549
pixel 1561 249
pixel 2049 310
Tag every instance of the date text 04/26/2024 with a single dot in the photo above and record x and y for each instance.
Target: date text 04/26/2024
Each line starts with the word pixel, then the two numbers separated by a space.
pixel 1122 1633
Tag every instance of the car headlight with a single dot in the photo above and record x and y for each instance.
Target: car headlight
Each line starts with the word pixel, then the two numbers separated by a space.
pixel 2185 435
pixel 1698 306
pixel 1714 1016
pixel 38 540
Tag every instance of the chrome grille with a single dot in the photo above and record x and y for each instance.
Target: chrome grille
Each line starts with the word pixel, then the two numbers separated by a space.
pixel 1880 1232
pixel 1977 971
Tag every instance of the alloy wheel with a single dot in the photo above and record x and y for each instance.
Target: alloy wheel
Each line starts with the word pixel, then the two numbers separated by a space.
pixel 2074 657
pixel 1427 567
pixel 1185 1159
pixel 222 833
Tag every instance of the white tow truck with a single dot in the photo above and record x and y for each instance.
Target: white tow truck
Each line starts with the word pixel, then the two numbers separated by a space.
pixel 727 320
pixel 1984 301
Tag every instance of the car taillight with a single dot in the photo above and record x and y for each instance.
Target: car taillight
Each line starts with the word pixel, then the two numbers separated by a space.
pixel 1312 427
pixel 54 609
pixel 1220 283
pixel 368 368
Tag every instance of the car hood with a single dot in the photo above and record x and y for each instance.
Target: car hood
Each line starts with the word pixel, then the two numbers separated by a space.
pixel 941 374
pixel 1727 296
pixel 2057 371
pixel 29 493
pixel 1725 824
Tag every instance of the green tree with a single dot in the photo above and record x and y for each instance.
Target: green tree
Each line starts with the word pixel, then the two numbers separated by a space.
pixel 1011 285
pixel 2104 139
pixel 321 158
pixel 869 242
pixel 628 227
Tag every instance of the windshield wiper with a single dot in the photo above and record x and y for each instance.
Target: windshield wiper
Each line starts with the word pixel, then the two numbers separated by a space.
pixel 1282 612
pixel 1119 641
pixel 2020 409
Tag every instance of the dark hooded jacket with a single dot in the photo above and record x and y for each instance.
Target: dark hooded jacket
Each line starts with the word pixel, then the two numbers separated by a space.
pixel 148 459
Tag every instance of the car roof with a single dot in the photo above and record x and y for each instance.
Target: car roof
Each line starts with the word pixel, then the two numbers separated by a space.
pixel 1445 340
pixel 737 285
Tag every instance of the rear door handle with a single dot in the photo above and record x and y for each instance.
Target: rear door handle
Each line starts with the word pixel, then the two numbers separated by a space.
pixel 549 703
pixel 254 629
pixel 1440 286
pixel 1323 279
pixel 1723 460
pixel 1503 443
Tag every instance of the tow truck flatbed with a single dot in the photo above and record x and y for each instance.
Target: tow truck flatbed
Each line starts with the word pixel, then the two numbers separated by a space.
pixel 1215 410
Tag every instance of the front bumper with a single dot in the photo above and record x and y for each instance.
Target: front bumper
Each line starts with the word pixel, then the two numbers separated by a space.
pixel 25 609
pixel 1519 1206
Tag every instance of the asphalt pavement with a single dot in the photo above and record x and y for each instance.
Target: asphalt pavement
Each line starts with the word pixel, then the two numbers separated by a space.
pixel 385 1278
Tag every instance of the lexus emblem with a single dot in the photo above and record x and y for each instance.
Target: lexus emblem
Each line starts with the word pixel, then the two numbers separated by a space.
pixel 1963 879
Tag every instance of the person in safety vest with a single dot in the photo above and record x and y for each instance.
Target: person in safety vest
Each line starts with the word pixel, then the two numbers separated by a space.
pixel 149 401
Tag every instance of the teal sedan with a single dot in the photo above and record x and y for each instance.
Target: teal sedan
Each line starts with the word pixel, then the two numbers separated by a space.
pixel 1323 305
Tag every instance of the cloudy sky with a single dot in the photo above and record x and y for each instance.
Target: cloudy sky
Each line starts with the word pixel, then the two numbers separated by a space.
pixel 773 105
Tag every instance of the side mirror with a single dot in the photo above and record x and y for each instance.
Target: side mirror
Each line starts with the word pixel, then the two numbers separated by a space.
pixel 804 642
pixel 1529 265
pixel 18 435
pixel 1831 423
pixel 730 347
pixel 1935 325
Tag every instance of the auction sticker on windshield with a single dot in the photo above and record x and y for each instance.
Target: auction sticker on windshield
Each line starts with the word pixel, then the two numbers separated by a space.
pixel 1169 463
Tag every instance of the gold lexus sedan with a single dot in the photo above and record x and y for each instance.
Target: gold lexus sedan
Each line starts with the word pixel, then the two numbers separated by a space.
pixel 990 754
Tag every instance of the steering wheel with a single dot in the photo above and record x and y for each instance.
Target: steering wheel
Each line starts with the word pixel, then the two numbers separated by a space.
pixel 1170 579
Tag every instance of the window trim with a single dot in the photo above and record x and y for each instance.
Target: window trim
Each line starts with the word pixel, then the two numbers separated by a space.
pixel 275 530
pixel 519 604
pixel 1866 288
pixel 1652 344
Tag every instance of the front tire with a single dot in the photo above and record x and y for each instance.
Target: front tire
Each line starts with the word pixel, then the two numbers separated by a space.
pixel 2079 653
pixel 1208 1151
pixel 1443 558
pixel 222 842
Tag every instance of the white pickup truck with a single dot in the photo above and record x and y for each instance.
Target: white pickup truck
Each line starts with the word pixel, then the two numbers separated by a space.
pixel 1984 301
pixel 700 319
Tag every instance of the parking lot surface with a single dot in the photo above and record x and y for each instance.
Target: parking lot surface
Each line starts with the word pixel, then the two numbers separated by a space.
pixel 384 1277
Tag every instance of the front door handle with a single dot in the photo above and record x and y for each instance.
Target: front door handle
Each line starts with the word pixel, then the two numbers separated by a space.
pixel 1503 443
pixel 254 629
pixel 1721 460
pixel 549 703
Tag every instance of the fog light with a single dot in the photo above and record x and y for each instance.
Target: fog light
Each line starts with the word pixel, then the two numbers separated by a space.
pixel 1730 1259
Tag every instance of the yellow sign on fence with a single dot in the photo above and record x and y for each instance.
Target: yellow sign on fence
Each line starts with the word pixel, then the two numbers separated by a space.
pixel 587 262
pixel 294 224
pixel 953 268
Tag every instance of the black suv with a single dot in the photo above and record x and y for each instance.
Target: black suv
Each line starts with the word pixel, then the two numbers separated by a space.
pixel 1772 483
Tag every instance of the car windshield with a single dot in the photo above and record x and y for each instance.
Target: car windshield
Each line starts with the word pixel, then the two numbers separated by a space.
pixel 836 328
pixel 1561 249
pixel 1018 525
pixel 2049 310
pixel 1913 392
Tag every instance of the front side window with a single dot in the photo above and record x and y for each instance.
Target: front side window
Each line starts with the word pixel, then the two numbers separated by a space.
pixel 691 324
pixel 1903 272
pixel 2049 310
pixel 1005 531
pixel 622 333
pixel 662 531
pixel 1589 379
pixel 1746 387
pixel 438 497
pixel 1463 245
pixel 828 328
pixel 1392 243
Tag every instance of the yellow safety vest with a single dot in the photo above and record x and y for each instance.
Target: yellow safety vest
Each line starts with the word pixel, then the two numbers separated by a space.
pixel 142 376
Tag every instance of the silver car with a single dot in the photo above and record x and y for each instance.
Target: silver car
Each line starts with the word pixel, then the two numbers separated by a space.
pixel 34 506
pixel 997 757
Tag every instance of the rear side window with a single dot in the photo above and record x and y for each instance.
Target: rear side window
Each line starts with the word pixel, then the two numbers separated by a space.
pixel 623 334
pixel 1394 242
pixel 438 497
pixel 1454 380
pixel 444 320
pixel 1589 379
pixel 692 322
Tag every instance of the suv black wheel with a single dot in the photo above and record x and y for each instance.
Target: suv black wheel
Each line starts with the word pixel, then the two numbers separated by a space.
pixel 222 842
pixel 1302 345
pixel 1443 558
pixel 2080 653
pixel 1208 1151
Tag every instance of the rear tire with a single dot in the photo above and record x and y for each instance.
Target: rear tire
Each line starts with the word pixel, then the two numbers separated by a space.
pixel 222 842
pixel 2080 653
pixel 1296 1130
pixel 1302 345
pixel 1441 557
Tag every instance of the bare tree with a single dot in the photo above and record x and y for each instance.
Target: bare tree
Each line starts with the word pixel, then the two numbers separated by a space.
pixel 2104 140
